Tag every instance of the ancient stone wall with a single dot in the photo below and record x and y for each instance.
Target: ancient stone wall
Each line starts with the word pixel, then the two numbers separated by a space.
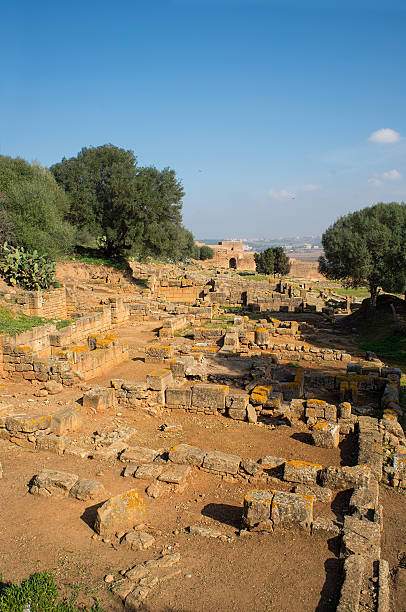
pixel 50 304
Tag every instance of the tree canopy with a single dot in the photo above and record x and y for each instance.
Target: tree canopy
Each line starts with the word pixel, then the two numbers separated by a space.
pixel 33 208
pixel 368 247
pixel 272 261
pixel 130 208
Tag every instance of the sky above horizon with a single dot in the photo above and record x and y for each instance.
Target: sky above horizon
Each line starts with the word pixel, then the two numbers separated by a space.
pixel 278 116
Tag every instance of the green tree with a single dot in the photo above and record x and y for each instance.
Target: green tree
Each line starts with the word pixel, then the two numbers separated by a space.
pixel 368 247
pixel 131 208
pixel 35 207
pixel 265 261
pixel 206 252
pixel 282 262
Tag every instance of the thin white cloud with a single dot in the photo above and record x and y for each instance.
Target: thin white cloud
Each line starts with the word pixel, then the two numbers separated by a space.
pixel 310 187
pixel 384 136
pixel 376 182
pixel 392 175
pixel 281 194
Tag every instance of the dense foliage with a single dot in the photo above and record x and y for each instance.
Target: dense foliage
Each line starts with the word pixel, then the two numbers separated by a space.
pixel 30 271
pixel 368 247
pixel 272 261
pixel 33 208
pixel 130 208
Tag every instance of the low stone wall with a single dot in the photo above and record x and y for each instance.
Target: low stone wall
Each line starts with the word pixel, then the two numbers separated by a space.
pixel 50 304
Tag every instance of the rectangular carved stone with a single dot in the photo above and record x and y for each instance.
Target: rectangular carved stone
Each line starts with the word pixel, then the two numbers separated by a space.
pixel 185 454
pixel 159 380
pixel 221 462
pixel 301 471
pixel 178 398
pixel 209 397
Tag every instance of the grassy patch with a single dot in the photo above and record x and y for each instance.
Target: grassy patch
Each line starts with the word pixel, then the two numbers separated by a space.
pixel 141 282
pixel 361 292
pixel 16 323
pixel 96 257
pixel 379 335
pixel 38 593
pixel 253 275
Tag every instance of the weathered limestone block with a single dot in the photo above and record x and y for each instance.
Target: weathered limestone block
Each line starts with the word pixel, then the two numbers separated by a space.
pixel 269 462
pixel 361 537
pixel 260 394
pixel 158 353
pixel 269 510
pixel 146 471
pixel 262 336
pixel 315 408
pixel 297 409
pixel 321 494
pixel 301 471
pixel 174 473
pixel 330 413
pixel 221 462
pixel 250 466
pixel 351 588
pixel 85 489
pixel 364 501
pixel 159 380
pixel 177 368
pixel 138 455
pixel 252 416
pixel 99 399
pixel 137 540
pixel 67 419
pixel 51 442
pixel 399 466
pixel 53 387
pixel 27 424
pixel 257 509
pixel 344 410
pixel 120 512
pixel 292 509
pixel 185 454
pixel 237 406
pixel 178 397
pixel 53 482
pixel 208 397
pixel 326 435
pixel 346 477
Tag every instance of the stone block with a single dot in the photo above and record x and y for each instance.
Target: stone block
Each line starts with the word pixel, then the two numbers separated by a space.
pixel 51 442
pixel 138 455
pixel 177 368
pixel 53 482
pixel 120 512
pixel 361 537
pixel 217 461
pixel 187 455
pixel 158 353
pixel 291 509
pixel 209 397
pixel 346 477
pixel 27 424
pixel 315 408
pixel 65 420
pixel 252 416
pixel 344 410
pixel 301 471
pixel 147 471
pixel 326 435
pixel 330 413
pixel 178 397
pixel 269 462
pixel 321 494
pixel 352 584
pixel 174 473
pixel 257 509
pixel 137 540
pixel 159 380
pixel 99 399
pixel 85 489
pixel 364 501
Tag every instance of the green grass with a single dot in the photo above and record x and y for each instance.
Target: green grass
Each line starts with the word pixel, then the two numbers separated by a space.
pixel 361 292
pixel 379 335
pixel 40 592
pixel 253 275
pixel 16 323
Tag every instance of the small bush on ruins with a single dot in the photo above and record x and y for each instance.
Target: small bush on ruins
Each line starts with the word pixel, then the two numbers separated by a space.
pixel 38 593
pixel 367 248
pixel 206 253
pixel 30 271
pixel 35 207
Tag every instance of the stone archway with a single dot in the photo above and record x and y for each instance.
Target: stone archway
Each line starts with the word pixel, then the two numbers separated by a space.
pixel 232 263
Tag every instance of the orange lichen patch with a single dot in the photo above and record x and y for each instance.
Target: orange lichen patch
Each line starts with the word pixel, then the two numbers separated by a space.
pixel 80 349
pixel 390 414
pixel 303 464
pixel 260 496
pixel 308 499
pixel 26 349
pixel 261 330
pixel 103 343
pixel 158 373
pixel 316 402
pixel 321 426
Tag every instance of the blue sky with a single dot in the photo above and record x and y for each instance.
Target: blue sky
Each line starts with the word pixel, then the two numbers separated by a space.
pixel 271 112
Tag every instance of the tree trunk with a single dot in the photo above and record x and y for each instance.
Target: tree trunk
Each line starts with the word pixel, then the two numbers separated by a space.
pixel 374 296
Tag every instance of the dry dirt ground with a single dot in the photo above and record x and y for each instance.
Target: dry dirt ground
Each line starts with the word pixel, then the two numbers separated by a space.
pixel 261 572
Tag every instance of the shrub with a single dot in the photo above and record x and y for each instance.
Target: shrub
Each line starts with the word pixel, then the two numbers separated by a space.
pixel 206 252
pixel 30 271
